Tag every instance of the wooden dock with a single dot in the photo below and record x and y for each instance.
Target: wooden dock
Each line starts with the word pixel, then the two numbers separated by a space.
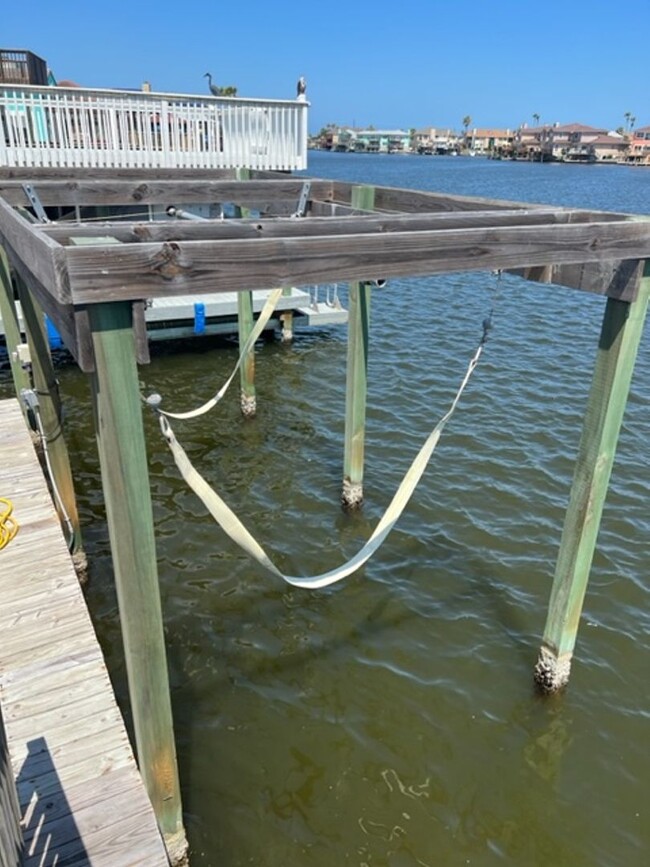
pixel 82 799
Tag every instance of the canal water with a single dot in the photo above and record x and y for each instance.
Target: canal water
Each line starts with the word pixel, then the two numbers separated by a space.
pixel 391 720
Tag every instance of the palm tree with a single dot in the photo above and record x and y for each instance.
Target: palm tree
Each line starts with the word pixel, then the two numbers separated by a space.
pixel 536 118
pixel 628 119
pixel 466 122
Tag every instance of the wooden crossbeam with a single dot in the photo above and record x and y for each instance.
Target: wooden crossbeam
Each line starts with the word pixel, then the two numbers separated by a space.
pixel 134 271
pixel 40 256
pixel 179 230
pixel 149 191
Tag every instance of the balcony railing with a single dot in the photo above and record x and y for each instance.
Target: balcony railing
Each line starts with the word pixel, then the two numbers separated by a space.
pixel 78 127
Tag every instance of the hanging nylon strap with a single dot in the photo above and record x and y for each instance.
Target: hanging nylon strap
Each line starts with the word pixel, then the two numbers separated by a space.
pixel 234 528
pixel 260 324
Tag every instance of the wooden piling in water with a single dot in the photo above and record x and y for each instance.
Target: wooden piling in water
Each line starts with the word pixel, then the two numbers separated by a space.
pixel 125 481
pixel 46 391
pixel 245 323
pixel 621 333
pixel 362 197
pixel 11 328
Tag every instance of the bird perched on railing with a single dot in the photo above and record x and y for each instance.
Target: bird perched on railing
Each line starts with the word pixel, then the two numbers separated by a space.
pixel 215 90
pixel 301 87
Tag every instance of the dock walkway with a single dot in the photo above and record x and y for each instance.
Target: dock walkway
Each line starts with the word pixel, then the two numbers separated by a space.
pixel 81 797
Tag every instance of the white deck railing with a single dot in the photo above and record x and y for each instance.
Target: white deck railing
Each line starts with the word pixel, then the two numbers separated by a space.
pixel 77 127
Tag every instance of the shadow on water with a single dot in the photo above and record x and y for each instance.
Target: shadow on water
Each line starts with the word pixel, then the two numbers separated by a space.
pixel 50 832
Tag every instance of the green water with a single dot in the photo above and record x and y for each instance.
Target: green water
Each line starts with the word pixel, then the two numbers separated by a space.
pixel 391 721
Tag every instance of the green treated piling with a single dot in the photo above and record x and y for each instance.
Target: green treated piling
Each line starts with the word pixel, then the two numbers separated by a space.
pixel 245 323
pixel 619 341
pixel 363 197
pixel 125 481
pixel 50 411
pixel 11 327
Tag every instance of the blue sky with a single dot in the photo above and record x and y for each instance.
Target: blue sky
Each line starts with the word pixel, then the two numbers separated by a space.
pixel 390 64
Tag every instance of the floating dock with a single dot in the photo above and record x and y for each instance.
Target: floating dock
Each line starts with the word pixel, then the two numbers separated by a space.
pixel 82 800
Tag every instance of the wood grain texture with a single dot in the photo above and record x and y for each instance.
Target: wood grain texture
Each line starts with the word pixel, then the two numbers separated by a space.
pixel 621 333
pixel 125 482
pixel 351 224
pixel 81 798
pixel 133 271
pixel 41 255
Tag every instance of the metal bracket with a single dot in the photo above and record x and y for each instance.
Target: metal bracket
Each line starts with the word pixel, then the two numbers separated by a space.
pixel 303 200
pixel 36 203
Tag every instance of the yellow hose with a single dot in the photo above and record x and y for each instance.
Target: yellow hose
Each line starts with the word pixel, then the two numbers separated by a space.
pixel 8 525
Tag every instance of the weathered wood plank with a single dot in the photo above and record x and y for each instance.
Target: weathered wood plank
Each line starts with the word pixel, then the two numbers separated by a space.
pixel 44 173
pixel 133 271
pixel 163 192
pixel 277 227
pixel 410 201
pixel 65 733
pixel 616 279
pixel 62 315
pixel 40 255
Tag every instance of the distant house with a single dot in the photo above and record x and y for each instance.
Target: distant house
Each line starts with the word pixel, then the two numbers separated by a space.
pixel 572 142
pixel 609 148
pixel 435 140
pixel 382 140
pixel 530 142
pixel 639 147
pixel 489 141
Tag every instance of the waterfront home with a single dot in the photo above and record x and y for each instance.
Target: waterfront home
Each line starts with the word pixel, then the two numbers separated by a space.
pixel 639 147
pixel 383 141
pixel 435 140
pixel 572 142
pixel 529 142
pixel 488 141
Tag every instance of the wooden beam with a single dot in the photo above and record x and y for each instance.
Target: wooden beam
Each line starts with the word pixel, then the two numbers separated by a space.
pixel 616 279
pixel 349 224
pixel 620 336
pixel 411 201
pixel 38 174
pixel 40 255
pixel 125 481
pixel 149 191
pixel 62 315
pixel 135 271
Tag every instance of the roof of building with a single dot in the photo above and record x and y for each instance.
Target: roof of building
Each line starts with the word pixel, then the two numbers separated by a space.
pixel 578 127
pixel 490 133
pixel 609 140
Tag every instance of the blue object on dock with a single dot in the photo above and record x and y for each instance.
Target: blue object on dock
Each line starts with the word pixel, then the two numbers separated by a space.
pixel 199 318
pixel 53 336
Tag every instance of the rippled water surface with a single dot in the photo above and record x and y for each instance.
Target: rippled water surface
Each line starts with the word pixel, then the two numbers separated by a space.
pixel 390 721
